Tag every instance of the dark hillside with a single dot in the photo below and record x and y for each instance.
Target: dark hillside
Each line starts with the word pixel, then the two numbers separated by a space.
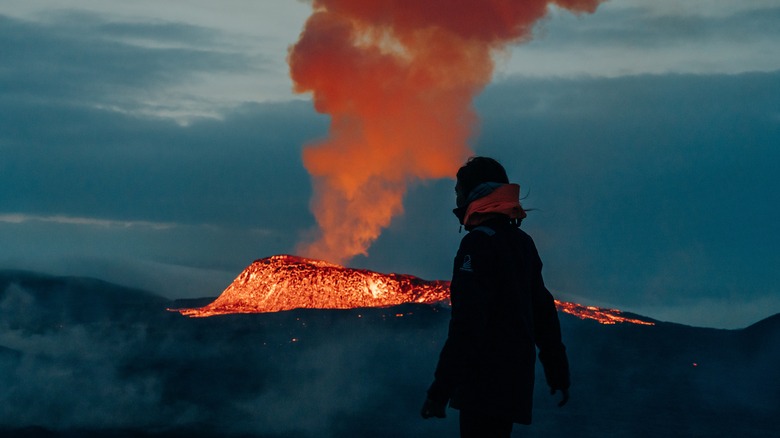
pixel 81 357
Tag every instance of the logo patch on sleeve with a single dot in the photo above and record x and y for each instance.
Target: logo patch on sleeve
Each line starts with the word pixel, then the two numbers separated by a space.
pixel 466 266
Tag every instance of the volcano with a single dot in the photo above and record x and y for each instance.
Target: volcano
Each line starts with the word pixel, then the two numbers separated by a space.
pixel 286 282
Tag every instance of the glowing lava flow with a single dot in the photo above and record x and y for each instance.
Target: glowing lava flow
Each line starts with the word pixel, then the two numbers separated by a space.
pixel 286 282
pixel 600 314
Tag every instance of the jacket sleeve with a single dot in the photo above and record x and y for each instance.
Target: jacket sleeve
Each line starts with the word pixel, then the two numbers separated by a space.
pixel 547 330
pixel 460 355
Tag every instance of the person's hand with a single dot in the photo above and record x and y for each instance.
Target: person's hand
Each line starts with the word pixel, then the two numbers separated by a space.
pixel 433 409
pixel 564 396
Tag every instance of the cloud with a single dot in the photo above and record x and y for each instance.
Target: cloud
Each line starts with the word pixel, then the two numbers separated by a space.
pixel 91 222
pixel 85 60
pixel 702 8
pixel 94 172
pixel 628 38
pixel 89 163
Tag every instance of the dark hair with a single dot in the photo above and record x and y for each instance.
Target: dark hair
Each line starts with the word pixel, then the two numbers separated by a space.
pixel 478 170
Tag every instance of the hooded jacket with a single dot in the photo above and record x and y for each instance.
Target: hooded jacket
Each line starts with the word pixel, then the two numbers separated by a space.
pixel 501 313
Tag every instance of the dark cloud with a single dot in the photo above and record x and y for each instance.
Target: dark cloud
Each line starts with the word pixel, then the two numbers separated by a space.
pixel 104 164
pixel 70 145
pixel 643 29
pixel 80 59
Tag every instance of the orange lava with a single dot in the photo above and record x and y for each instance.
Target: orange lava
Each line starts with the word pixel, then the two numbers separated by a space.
pixel 286 282
pixel 600 314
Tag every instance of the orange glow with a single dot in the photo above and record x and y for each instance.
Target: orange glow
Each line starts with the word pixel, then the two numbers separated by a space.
pixel 286 282
pixel 397 78
pixel 602 315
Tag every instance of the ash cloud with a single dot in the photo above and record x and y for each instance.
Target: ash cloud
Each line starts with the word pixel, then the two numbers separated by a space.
pixel 397 79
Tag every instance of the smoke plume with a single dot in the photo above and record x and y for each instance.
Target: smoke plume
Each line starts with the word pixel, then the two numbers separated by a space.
pixel 397 78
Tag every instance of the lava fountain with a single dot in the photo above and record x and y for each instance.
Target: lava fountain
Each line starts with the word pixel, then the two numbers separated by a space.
pixel 286 282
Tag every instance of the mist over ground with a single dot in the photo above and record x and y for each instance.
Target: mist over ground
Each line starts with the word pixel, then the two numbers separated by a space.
pixel 81 357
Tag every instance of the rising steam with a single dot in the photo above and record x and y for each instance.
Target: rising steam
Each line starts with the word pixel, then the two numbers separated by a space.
pixel 397 78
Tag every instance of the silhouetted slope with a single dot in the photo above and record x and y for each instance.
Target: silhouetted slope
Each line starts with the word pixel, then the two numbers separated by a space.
pixel 285 282
pixel 87 358
pixel 766 325
pixel 670 380
pixel 38 301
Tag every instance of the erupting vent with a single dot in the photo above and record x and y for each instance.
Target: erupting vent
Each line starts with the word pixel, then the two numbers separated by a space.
pixel 286 282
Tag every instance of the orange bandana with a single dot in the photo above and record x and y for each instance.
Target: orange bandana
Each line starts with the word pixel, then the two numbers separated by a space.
pixel 505 200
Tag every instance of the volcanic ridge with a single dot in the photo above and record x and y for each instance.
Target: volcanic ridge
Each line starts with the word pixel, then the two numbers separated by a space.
pixel 286 282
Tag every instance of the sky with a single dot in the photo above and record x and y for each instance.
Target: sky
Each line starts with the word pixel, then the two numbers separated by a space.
pixel 159 145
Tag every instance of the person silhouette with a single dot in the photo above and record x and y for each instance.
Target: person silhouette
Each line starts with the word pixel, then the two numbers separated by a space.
pixel 501 313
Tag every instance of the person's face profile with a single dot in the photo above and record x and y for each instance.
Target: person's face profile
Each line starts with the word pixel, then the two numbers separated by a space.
pixel 460 197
